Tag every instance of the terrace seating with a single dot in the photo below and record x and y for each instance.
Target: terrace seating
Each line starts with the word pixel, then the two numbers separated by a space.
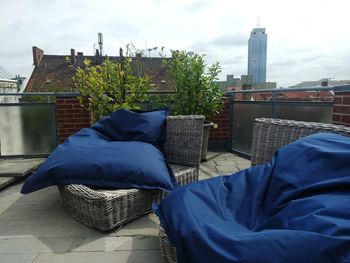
pixel 268 136
pixel 110 209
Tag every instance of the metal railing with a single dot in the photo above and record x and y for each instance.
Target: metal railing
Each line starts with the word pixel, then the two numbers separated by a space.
pixel 31 123
pixel 242 113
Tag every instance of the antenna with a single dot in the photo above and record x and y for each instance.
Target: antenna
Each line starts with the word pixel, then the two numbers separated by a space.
pixel 100 42
pixel 258 21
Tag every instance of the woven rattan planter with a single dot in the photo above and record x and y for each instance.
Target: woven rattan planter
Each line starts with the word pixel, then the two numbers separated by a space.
pixel 268 136
pixel 109 209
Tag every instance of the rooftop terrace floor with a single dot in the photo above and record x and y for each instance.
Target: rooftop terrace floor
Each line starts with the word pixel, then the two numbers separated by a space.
pixel 34 228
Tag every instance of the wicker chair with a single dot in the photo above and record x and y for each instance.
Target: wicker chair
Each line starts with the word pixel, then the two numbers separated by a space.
pixel 109 209
pixel 268 136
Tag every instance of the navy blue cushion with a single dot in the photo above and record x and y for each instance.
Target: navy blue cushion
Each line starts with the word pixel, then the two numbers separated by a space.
pixel 295 209
pixel 89 158
pixel 117 152
pixel 128 125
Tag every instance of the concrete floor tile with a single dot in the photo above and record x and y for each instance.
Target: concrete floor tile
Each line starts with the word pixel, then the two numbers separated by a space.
pixel 220 162
pixel 205 173
pixel 148 256
pixel 36 245
pixel 52 222
pixel 5 181
pixel 242 161
pixel 109 244
pixel 211 165
pixel 145 225
pixel 242 167
pixel 18 258
pixel 227 168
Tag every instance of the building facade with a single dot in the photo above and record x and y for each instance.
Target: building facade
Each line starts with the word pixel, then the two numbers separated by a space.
pixel 257 49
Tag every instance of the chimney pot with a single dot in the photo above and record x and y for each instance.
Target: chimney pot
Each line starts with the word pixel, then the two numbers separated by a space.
pixel 72 56
pixel 97 57
pixel 37 55
pixel 80 57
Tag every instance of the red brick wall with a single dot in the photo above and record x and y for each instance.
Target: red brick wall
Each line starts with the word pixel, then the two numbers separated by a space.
pixel 221 133
pixel 70 117
pixel 341 108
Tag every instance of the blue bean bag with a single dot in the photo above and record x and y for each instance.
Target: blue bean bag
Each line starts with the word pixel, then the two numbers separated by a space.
pixel 119 152
pixel 296 209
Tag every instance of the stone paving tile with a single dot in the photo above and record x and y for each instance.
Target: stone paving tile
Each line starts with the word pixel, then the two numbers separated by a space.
pixel 18 258
pixel 5 181
pixel 52 222
pixel 205 173
pixel 219 162
pixel 117 243
pixel 230 169
pixel 19 167
pixel 211 165
pixel 134 256
pixel 242 167
pixel 35 245
pixel 146 225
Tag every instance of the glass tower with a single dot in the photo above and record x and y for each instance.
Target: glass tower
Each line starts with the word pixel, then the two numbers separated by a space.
pixel 257 48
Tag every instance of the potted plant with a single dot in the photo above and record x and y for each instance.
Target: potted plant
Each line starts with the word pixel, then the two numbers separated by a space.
pixel 111 86
pixel 196 90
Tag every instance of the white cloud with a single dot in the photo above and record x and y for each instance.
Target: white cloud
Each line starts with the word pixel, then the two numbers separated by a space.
pixel 307 40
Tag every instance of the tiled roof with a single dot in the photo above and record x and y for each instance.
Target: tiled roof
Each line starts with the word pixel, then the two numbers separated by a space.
pixel 52 73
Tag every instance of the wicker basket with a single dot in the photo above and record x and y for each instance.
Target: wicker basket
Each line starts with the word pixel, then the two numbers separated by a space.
pixel 108 209
pixel 268 136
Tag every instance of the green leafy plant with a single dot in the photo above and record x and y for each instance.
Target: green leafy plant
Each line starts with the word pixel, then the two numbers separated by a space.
pixel 196 90
pixel 111 86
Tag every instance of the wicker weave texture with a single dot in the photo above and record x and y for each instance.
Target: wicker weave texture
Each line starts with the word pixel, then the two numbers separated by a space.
pixel 271 134
pixel 184 139
pixel 167 249
pixel 108 209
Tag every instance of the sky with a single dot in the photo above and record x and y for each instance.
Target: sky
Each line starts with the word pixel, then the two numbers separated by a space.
pixel 307 39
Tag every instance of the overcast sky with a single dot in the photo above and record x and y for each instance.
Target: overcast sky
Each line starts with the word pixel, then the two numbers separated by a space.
pixel 307 39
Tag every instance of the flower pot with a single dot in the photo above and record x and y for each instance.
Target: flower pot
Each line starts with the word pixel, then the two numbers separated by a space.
pixel 206 129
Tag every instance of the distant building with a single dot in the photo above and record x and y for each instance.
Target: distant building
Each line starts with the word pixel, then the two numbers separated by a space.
pixel 321 82
pixel 266 85
pixel 257 49
pixel 9 84
pixel 53 74
pixel 231 81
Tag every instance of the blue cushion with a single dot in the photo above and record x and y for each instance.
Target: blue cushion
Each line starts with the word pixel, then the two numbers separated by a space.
pixel 88 158
pixel 295 209
pixel 117 152
pixel 127 125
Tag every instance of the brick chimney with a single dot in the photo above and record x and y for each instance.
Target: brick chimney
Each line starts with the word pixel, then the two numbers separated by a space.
pixel 37 55
pixel 72 56
pixel 80 58
pixel 97 57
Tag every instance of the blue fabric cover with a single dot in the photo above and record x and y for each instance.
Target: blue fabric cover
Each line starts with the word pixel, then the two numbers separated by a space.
pixel 93 157
pixel 127 125
pixel 296 209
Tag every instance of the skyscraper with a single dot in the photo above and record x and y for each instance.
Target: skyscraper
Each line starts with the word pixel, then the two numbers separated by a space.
pixel 257 48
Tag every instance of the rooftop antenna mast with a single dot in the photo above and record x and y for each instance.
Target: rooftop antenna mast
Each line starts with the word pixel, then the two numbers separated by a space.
pixel 100 42
pixel 258 21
